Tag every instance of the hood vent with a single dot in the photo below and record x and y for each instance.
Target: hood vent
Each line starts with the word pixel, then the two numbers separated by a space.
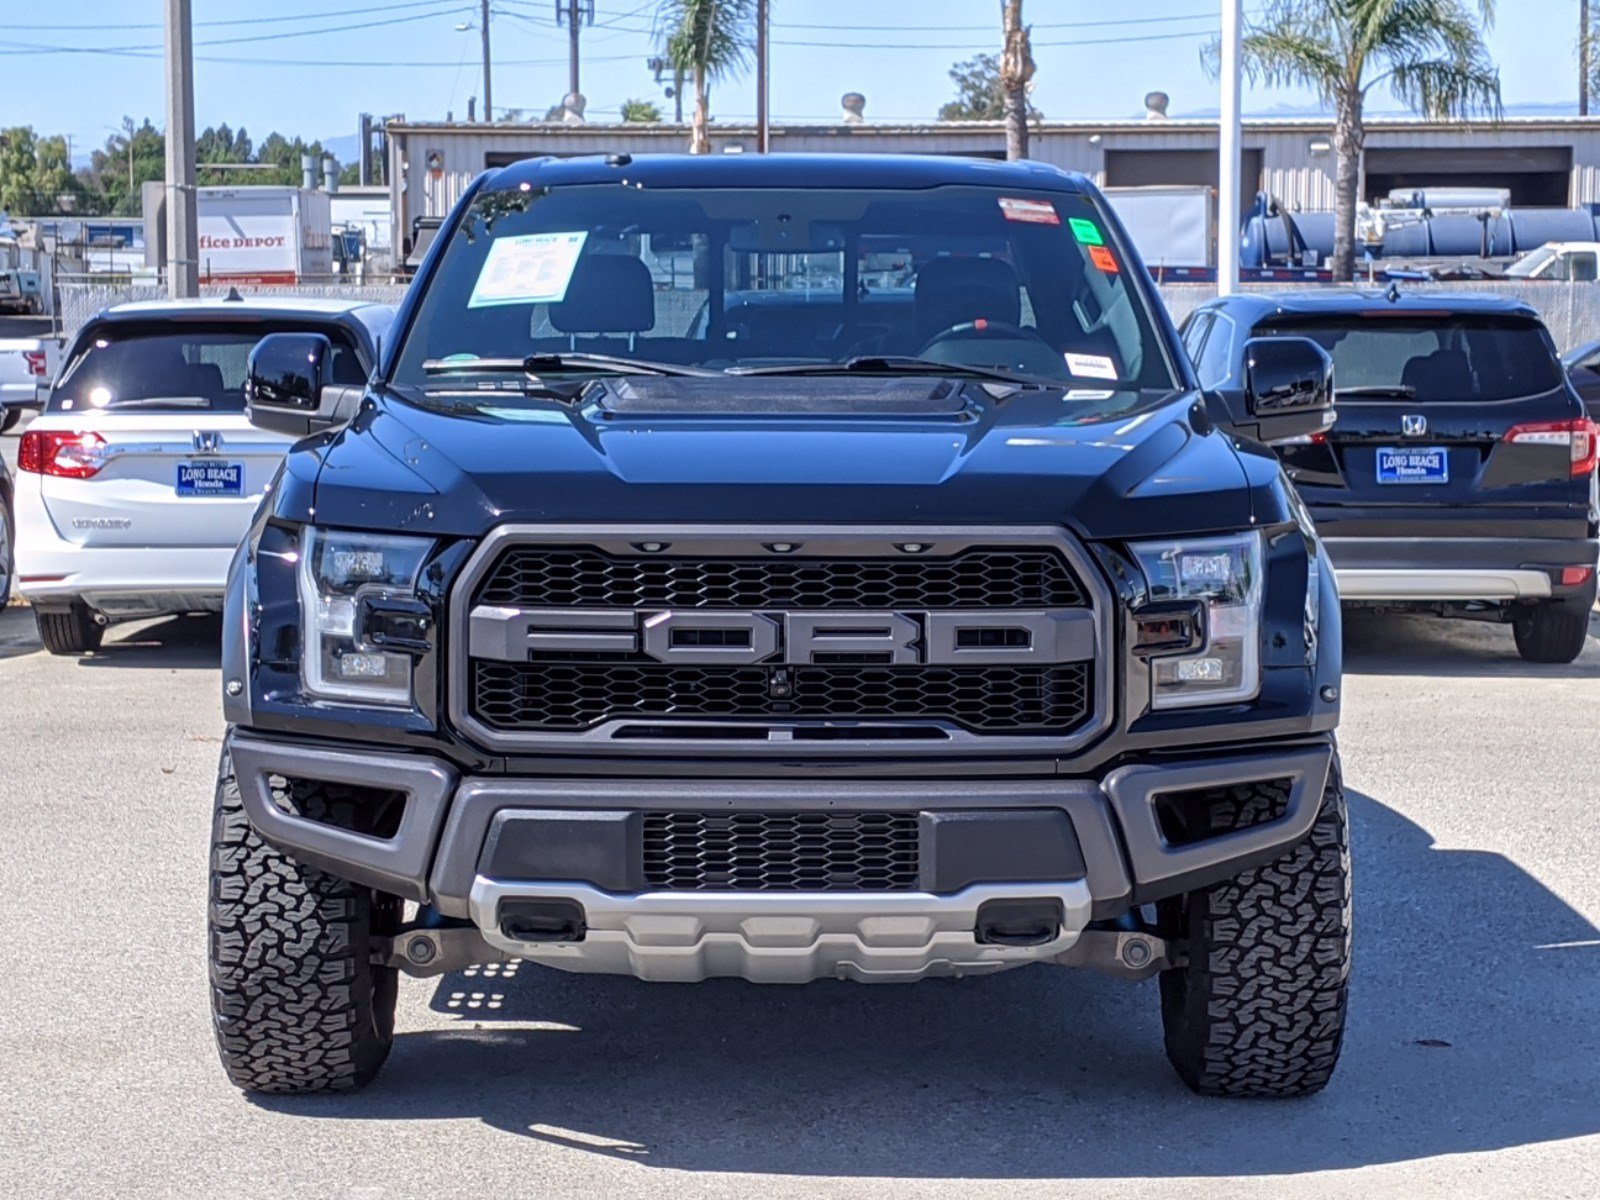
pixel 776 398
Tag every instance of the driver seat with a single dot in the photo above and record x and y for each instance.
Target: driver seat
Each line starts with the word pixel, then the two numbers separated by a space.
pixel 954 291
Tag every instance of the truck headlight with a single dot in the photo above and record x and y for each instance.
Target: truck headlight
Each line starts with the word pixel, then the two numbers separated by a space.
pixel 352 585
pixel 1223 576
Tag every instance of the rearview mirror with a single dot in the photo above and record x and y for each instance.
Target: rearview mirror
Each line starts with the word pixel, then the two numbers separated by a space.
pixel 1288 389
pixel 286 388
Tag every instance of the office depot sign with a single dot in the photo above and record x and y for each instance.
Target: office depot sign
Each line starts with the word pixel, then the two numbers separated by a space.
pixel 264 235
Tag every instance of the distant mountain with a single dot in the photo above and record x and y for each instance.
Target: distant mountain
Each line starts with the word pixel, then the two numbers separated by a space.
pixel 346 148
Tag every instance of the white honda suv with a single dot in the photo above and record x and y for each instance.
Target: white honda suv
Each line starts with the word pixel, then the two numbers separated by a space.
pixel 141 475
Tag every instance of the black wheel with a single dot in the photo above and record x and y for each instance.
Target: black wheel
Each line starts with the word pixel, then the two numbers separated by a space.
pixel 9 418
pixel 68 630
pixel 297 1003
pixel 1258 1010
pixel 8 560
pixel 1554 631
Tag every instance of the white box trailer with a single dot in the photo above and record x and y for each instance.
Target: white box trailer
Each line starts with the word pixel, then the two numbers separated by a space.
pixel 264 235
pixel 1170 226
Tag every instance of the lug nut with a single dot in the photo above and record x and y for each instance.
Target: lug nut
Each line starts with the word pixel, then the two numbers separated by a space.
pixel 1136 952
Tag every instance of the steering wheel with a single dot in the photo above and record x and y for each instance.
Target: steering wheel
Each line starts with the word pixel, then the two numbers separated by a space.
pixel 985 329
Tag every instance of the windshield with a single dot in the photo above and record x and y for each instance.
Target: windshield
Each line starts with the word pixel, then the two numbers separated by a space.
pixel 1029 283
pixel 1432 356
pixel 179 368
pixel 1533 264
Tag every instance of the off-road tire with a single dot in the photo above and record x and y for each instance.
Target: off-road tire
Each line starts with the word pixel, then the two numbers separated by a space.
pixel 1553 632
pixel 297 1004
pixel 1258 1009
pixel 69 630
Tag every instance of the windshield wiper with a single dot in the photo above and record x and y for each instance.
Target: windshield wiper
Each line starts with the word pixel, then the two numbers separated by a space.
pixel 890 364
pixel 535 364
pixel 1403 391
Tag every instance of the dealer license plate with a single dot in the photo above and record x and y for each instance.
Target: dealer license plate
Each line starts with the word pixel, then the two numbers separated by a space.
pixel 1413 464
pixel 210 479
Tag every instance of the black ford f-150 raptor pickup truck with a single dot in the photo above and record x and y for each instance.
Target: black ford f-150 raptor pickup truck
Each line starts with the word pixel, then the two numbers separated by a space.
pixel 790 568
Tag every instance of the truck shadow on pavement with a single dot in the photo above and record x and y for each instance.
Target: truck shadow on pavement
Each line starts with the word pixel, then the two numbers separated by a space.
pixel 1404 644
pixel 1472 1029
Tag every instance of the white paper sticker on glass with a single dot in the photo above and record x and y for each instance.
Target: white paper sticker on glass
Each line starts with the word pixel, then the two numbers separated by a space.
pixel 534 268
pixel 1091 366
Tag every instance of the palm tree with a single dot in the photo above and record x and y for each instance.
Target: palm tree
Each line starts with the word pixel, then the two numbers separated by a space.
pixel 1016 72
pixel 1430 54
pixel 707 40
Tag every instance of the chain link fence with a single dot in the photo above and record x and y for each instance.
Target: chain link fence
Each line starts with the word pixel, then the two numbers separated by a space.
pixel 80 301
pixel 1571 310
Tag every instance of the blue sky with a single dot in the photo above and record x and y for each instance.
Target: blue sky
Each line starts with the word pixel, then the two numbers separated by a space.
pixel 1091 63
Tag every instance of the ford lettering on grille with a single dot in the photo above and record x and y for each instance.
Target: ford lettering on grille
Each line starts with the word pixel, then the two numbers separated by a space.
pixel 699 638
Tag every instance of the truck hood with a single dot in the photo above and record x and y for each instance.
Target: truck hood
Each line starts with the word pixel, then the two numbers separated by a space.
pixel 1108 464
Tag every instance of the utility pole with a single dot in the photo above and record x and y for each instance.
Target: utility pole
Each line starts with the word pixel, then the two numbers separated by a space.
pixel 1228 199
pixel 488 101
pixel 763 81
pixel 183 240
pixel 1585 56
pixel 575 13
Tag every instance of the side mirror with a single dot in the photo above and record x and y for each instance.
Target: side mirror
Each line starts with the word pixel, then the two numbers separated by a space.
pixel 286 388
pixel 1288 388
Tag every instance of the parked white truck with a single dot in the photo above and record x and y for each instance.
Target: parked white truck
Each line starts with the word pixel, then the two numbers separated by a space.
pixel 254 235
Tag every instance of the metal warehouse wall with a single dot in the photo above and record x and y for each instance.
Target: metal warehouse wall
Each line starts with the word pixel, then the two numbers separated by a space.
pixel 432 164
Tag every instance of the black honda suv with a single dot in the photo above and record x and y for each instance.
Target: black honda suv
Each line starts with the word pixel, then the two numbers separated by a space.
pixel 1458 475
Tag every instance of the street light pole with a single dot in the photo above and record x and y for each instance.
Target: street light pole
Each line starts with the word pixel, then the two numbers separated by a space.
pixel 183 240
pixel 488 100
pixel 763 81
pixel 1585 57
pixel 1228 198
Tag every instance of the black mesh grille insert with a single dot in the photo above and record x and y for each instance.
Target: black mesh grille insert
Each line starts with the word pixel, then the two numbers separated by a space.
pixel 580 576
pixel 572 696
pixel 781 851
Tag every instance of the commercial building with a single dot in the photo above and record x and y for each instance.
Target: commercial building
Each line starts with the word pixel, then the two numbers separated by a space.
pixel 1542 161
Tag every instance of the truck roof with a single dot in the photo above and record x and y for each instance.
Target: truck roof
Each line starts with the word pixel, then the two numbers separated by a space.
pixel 786 171
pixel 1330 300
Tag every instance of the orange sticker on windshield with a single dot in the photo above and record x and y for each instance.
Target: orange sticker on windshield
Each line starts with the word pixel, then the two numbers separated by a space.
pixel 1035 212
pixel 1101 258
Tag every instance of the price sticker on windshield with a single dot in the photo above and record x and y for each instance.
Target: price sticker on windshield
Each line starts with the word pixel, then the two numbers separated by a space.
pixel 1103 259
pixel 534 268
pixel 1034 212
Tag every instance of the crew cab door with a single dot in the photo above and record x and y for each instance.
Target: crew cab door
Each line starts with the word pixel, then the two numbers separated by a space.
pixel 1440 412
pixel 144 440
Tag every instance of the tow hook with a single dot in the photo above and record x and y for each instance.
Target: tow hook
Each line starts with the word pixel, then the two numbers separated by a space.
pixel 427 952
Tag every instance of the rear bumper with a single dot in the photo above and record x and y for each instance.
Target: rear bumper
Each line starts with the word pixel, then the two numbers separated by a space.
pixel 1459 569
pixel 120 581
pixel 481 848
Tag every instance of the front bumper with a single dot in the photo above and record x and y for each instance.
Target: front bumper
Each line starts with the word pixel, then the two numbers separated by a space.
pixel 1402 569
pixel 478 848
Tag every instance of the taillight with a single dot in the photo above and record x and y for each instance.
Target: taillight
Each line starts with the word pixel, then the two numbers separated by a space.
pixel 1577 434
pixel 35 361
pixel 58 452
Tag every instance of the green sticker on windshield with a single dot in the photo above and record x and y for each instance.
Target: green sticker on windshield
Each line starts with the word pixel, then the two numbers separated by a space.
pixel 1086 231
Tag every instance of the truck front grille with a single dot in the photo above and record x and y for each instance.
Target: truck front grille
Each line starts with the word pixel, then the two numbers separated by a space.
pixel 581 577
pixel 548 695
pixel 781 851
pixel 570 639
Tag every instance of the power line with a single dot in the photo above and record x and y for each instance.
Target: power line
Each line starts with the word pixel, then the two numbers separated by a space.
pixel 311 16
pixel 156 48
pixel 968 46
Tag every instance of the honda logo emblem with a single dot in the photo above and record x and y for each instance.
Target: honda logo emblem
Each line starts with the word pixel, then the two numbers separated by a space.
pixel 206 441
pixel 1414 425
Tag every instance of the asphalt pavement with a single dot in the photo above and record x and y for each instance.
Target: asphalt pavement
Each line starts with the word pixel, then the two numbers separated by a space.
pixel 1472 1066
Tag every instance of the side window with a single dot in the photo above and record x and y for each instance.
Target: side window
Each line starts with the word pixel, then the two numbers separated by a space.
pixel 1194 334
pixel 1215 364
pixel 1583 268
